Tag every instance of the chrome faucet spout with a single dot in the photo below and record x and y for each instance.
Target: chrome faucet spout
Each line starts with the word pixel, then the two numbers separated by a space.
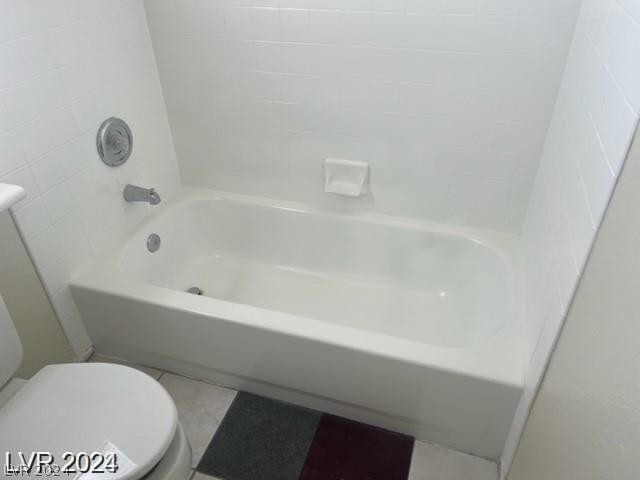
pixel 154 198
pixel 133 193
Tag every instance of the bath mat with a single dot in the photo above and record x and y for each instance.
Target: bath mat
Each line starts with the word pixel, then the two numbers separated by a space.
pixel 260 439
pixel 346 450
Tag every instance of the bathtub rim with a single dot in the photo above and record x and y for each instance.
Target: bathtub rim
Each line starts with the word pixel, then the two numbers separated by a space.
pixel 502 244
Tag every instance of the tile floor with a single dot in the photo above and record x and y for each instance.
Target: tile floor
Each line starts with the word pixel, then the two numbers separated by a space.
pixel 202 406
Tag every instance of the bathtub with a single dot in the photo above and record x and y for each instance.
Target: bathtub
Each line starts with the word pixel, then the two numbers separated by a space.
pixel 401 324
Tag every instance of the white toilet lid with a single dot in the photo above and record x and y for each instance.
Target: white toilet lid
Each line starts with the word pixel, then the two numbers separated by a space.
pixel 80 407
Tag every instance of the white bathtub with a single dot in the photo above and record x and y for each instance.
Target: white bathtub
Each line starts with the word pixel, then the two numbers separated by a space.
pixel 409 326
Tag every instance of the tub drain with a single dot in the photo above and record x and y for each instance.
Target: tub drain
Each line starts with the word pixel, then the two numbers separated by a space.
pixel 195 291
pixel 153 242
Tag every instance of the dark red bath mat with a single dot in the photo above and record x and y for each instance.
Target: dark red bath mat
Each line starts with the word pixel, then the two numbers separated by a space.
pixel 346 450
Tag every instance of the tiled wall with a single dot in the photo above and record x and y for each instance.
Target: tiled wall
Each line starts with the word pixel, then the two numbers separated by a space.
pixel 449 101
pixel 65 66
pixel 591 131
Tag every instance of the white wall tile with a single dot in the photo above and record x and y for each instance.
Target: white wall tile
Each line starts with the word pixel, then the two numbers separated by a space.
pixel 58 82
pixel 458 7
pixel 588 140
pixel 539 8
pixel 596 175
pixel 48 170
pixel 473 83
pixel 373 5
pixel 32 218
pixel 632 7
pixel 59 202
pixel 45 248
pixel 11 154
pixel 620 49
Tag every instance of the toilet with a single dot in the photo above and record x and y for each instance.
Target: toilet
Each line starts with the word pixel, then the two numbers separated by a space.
pixel 85 408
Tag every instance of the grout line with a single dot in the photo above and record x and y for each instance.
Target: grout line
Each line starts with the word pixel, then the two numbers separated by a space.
pixel 403 11
pixel 155 34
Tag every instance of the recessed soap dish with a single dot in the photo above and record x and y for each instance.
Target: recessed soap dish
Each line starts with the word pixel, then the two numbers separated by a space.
pixel 346 177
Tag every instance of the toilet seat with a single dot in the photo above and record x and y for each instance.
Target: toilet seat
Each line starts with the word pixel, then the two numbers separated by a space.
pixel 79 407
